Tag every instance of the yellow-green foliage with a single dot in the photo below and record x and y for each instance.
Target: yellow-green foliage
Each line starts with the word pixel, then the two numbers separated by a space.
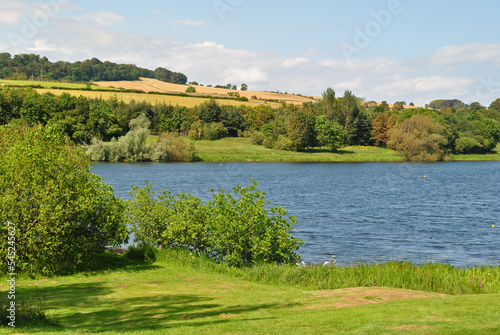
pixel 62 213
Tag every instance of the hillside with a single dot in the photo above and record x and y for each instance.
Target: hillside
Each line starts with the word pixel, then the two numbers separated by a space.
pixel 153 85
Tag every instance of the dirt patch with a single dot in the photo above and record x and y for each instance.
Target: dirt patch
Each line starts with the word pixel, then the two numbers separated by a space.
pixel 363 296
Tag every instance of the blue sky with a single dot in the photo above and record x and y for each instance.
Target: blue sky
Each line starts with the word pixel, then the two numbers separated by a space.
pixel 389 50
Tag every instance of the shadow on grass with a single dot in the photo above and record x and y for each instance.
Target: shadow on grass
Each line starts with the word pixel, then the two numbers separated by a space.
pixel 326 151
pixel 113 262
pixel 90 307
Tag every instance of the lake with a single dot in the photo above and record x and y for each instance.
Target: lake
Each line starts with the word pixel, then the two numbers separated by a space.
pixel 439 212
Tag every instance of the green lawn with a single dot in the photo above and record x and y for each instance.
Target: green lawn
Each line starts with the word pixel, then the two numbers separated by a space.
pixel 125 297
pixel 51 84
pixel 241 150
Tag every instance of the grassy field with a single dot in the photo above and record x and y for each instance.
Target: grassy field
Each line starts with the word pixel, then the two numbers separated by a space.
pixel 182 294
pixel 241 150
pixel 112 93
pixel 153 85
pixel 49 84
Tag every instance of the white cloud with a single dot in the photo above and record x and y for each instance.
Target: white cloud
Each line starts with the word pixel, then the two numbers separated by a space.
pixel 469 53
pixel 451 72
pixel 104 19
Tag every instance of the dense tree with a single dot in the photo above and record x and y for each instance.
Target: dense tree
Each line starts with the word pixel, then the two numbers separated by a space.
pixel 379 129
pixel 495 105
pixel 244 87
pixel 40 68
pixel 330 134
pixel 63 215
pixel 419 138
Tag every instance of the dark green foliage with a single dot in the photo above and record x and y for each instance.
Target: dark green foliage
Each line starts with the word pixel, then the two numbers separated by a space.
pixel 190 89
pixel 62 213
pixel 26 66
pixel 440 104
pixel 209 111
pixel 142 252
pixel 234 230
pixel 26 314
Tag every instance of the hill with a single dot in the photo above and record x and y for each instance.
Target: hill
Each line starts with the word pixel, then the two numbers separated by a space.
pixel 153 85
pixel 33 66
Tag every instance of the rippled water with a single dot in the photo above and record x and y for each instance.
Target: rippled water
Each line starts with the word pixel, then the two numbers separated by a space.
pixel 356 211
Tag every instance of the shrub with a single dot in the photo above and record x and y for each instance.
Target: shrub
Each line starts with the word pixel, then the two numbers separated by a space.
pixel 190 89
pixel 214 131
pixel 283 143
pixel 142 252
pixel 419 138
pixel 62 213
pixel 467 145
pixel 237 231
pixel 159 151
pixel 257 138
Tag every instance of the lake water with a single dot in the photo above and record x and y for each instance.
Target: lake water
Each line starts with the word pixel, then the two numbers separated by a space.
pixel 356 211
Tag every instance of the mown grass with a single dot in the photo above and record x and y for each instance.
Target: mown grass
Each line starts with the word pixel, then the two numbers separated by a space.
pixel 185 294
pixel 241 150
pixel 492 156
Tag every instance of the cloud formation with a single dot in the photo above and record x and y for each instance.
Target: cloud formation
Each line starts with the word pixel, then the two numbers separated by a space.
pixel 455 71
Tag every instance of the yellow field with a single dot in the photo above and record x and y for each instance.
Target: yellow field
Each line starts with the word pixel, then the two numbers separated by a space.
pixel 153 85
pixel 188 102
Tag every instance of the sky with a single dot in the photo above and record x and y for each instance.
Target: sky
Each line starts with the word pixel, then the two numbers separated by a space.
pixel 392 50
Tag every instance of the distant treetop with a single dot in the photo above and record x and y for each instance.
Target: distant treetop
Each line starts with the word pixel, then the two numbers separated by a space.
pixel 26 66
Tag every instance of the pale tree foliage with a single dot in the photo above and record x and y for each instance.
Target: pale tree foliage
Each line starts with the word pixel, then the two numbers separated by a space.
pixel 419 138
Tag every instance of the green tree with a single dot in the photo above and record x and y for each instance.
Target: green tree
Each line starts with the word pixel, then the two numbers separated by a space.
pixel 329 104
pixel 398 106
pixel 419 138
pixel 300 129
pixel 379 129
pixel 329 133
pixel 63 214
pixel 495 105
pixel 236 229
pixel 209 111
pixel 244 87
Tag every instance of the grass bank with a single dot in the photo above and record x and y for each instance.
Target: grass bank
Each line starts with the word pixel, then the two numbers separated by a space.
pixel 184 294
pixel 241 150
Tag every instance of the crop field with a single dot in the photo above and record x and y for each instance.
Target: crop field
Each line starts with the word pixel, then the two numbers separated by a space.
pixel 153 85
pixel 57 88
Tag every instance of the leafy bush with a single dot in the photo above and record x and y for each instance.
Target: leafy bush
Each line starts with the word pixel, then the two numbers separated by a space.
pixel 237 231
pixel 142 252
pixel 214 131
pixel 159 151
pixel 190 89
pixel 467 145
pixel 62 213
pixel 419 138
pixel 257 138
pixel 283 143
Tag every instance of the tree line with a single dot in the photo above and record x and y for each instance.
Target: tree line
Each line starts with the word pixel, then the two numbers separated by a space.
pixel 328 124
pixel 31 66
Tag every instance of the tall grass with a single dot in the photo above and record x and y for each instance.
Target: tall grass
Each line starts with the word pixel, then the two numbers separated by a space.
pixel 432 277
